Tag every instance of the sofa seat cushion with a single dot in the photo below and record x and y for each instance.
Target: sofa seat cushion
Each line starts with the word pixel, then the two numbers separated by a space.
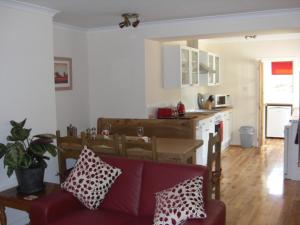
pixel 216 214
pixel 98 217
pixel 141 220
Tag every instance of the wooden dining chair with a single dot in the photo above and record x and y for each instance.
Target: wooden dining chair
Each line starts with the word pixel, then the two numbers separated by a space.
pixel 214 165
pixel 66 144
pixel 138 148
pixel 104 145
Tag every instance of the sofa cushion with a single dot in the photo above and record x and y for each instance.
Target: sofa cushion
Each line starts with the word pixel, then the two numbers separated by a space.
pixel 124 195
pixel 179 203
pixel 90 179
pixel 98 217
pixel 158 177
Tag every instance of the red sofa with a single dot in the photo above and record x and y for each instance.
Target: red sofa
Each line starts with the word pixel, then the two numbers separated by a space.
pixel 131 199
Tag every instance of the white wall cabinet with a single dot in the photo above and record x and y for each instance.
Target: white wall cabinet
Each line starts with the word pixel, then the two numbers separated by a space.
pixel 209 69
pixel 180 66
pixel 194 53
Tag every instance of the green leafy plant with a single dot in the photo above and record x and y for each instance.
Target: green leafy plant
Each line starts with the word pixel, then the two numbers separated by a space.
pixel 23 152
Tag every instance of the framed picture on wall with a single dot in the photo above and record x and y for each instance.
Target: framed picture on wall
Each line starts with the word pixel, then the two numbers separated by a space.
pixel 63 73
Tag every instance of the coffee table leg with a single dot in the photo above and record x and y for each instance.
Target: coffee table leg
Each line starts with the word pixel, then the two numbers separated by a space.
pixel 3 220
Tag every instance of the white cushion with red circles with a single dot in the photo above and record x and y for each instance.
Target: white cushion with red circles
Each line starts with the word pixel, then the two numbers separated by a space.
pixel 91 179
pixel 179 203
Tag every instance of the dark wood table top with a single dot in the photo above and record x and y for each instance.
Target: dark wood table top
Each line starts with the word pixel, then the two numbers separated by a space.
pixel 177 146
pixel 11 198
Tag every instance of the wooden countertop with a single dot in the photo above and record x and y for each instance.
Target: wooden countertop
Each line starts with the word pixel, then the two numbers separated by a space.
pixel 204 115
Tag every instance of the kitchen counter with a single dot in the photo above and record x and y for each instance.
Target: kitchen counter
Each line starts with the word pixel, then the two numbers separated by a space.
pixel 204 115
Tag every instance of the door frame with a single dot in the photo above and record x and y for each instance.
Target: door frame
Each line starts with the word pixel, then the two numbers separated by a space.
pixel 261 106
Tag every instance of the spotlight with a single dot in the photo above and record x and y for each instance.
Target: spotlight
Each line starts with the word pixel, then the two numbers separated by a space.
pixel 122 24
pixel 127 17
pixel 247 37
pixel 127 21
pixel 135 23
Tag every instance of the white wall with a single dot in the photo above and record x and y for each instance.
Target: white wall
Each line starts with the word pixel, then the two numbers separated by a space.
pixel 72 106
pixel 239 74
pixel 117 66
pixel 26 81
pixel 117 75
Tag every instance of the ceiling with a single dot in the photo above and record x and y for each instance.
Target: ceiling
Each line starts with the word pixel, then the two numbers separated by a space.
pixel 98 13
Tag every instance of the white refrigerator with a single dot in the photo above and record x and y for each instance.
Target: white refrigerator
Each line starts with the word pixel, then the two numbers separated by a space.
pixel 277 116
pixel 291 152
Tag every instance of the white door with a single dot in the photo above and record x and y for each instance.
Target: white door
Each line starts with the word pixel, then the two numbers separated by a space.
pixel 277 118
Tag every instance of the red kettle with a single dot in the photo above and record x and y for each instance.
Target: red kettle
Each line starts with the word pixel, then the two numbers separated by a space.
pixel 180 108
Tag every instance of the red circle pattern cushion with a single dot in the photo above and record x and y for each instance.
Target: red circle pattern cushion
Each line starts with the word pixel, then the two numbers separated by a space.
pixel 179 203
pixel 90 179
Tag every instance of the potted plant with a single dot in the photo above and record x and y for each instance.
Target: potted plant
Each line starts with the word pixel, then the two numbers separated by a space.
pixel 25 156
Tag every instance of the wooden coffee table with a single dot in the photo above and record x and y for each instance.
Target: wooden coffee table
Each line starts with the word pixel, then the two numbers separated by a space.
pixel 12 199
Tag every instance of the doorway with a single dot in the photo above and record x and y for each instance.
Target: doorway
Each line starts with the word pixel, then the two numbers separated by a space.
pixel 278 96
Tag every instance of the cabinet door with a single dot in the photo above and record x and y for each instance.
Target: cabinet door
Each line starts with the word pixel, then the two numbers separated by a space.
pixel 195 66
pixel 229 126
pixel 226 127
pixel 217 69
pixel 185 67
pixel 211 79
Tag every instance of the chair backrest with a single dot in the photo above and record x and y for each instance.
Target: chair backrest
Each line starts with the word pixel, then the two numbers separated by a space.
pixel 104 145
pixel 70 142
pixel 214 165
pixel 65 144
pixel 139 148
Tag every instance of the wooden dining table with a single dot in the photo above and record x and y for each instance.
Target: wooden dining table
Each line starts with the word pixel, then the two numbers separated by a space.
pixel 178 150
pixel 168 150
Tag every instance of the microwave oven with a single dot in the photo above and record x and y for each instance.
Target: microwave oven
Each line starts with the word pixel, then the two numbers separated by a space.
pixel 221 100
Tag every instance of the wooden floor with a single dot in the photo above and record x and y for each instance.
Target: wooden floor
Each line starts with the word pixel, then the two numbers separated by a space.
pixel 254 190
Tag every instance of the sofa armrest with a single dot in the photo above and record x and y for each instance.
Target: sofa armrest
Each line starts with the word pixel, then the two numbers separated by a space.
pixel 216 214
pixel 52 207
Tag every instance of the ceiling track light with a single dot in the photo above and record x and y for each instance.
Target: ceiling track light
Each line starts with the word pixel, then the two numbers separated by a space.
pixel 249 37
pixel 126 20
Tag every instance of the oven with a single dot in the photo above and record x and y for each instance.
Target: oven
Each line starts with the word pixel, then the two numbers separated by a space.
pixel 219 125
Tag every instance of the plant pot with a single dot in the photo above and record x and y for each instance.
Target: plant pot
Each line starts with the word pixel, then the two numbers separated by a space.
pixel 30 180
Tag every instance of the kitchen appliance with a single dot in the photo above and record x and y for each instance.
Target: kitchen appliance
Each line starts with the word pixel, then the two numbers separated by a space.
pixel 291 151
pixel 277 116
pixel 180 109
pixel 221 100
pixel 200 100
pixel 165 113
pixel 219 125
